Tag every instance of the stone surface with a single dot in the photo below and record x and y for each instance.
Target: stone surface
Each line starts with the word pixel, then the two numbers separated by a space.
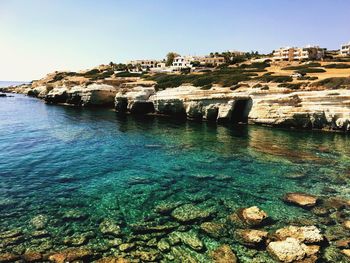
pixel 112 260
pixel 188 213
pixel 39 221
pixel 109 227
pixel 223 254
pixel 252 216
pixel 213 229
pixel 301 199
pixel 69 255
pixel 306 234
pixel 251 237
pixel 191 239
pixel 289 250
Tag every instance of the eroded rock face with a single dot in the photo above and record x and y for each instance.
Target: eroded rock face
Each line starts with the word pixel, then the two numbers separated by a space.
pixel 91 95
pixel 135 100
pixel 301 199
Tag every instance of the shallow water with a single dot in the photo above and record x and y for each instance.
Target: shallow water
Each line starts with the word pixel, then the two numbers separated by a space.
pixel 56 159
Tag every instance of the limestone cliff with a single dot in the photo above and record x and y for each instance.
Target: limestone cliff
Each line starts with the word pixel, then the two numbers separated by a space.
pixel 322 109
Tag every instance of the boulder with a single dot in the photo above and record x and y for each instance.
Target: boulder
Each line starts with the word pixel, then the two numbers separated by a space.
pixel 289 250
pixel 306 234
pixel 223 254
pixel 251 237
pixel 301 199
pixel 252 216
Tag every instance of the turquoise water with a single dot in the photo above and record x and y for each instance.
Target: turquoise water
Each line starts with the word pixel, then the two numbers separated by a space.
pixel 97 165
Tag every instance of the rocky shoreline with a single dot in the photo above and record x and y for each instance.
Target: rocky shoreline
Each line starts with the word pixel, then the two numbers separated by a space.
pixel 280 107
pixel 180 238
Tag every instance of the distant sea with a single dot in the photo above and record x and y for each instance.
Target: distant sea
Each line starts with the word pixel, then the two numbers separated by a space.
pixel 11 83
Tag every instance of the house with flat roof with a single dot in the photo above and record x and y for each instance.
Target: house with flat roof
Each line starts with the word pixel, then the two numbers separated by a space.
pixel 144 64
pixel 345 50
pixel 296 53
pixel 214 61
pixel 182 62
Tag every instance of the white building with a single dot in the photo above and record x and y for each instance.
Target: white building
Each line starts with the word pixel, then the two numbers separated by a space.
pixel 182 62
pixel 345 50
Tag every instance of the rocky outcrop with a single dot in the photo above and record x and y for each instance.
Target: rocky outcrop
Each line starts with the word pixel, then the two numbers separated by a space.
pixel 135 100
pixel 92 95
pixel 320 109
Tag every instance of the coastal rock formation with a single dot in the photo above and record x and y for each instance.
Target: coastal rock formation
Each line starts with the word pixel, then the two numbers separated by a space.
pixel 135 100
pixel 92 95
pixel 314 109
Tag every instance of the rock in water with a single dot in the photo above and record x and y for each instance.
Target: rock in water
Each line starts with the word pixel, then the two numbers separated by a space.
pixel 190 239
pixel 188 213
pixel 289 250
pixel 252 216
pixel 251 237
pixel 301 199
pixel 306 234
pixel 109 227
pixel 39 221
pixel 223 254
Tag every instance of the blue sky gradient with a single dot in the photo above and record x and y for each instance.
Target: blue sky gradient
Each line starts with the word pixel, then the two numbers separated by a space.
pixel 39 36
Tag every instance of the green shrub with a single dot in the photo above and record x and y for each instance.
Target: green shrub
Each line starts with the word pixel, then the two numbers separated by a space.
pixel 333 83
pixel 127 74
pixel 310 65
pixel 293 86
pixel 310 70
pixel 270 78
pixel 337 66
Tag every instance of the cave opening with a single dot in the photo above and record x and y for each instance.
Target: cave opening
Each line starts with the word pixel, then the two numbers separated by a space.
pixel 241 111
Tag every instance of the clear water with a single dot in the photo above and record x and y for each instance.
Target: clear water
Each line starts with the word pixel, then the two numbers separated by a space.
pixel 54 159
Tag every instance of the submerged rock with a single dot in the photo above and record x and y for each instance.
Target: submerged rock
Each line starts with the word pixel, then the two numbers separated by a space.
pixel 112 260
pixel 301 199
pixel 251 237
pixel 166 207
pixel 8 257
pixel 306 234
pixel 289 250
pixel 148 256
pixel 163 245
pixel 252 216
pixel 39 221
pixel 149 228
pixel 32 256
pixel 213 229
pixel 74 214
pixel 190 239
pixel 223 254
pixel 109 227
pixel 188 213
pixel 72 254
pixel 126 247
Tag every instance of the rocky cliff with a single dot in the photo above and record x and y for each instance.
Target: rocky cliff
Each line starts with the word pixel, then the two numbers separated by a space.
pixel 321 109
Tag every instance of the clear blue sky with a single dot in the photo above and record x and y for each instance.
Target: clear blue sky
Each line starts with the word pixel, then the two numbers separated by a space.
pixel 40 36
